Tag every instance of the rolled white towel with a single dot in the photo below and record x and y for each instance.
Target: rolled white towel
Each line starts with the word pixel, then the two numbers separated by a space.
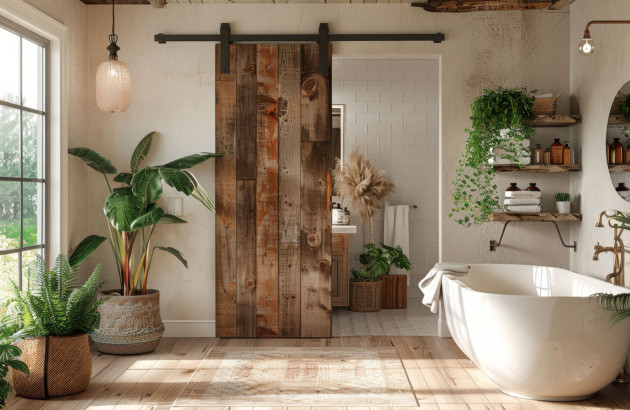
pixel 522 201
pixel 534 209
pixel 431 285
pixel 523 194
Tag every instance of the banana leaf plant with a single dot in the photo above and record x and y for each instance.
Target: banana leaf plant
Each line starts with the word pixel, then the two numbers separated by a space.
pixel 378 261
pixel 132 211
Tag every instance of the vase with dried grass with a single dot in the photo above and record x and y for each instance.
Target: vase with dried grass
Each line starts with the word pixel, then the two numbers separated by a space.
pixel 363 189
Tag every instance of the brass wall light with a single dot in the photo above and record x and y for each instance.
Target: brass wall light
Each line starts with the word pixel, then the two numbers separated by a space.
pixel 586 46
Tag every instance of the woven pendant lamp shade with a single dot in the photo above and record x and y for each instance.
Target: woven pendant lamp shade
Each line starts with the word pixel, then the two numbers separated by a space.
pixel 113 86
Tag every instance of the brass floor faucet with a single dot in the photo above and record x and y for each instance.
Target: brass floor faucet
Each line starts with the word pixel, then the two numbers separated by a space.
pixel 617 277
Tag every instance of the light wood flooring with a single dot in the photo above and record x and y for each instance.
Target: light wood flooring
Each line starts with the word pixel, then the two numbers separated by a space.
pixel 440 374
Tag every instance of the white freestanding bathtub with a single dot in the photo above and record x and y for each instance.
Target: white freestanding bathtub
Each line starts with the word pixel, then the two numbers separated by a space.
pixel 534 331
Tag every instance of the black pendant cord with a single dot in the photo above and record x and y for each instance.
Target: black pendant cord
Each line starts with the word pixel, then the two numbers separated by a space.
pixel 113 38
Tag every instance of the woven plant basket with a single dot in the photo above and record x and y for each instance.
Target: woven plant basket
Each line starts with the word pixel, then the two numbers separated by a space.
pixel 545 106
pixel 58 366
pixel 129 324
pixel 365 296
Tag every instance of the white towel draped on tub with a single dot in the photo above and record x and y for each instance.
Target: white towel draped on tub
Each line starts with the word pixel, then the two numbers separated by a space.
pixel 431 285
pixel 396 232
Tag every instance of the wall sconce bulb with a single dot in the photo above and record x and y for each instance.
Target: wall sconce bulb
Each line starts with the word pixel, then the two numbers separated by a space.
pixel 586 46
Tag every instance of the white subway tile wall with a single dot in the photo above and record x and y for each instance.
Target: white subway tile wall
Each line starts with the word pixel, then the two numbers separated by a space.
pixel 392 115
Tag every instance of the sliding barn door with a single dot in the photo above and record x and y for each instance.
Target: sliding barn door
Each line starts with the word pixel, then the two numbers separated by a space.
pixel 273 223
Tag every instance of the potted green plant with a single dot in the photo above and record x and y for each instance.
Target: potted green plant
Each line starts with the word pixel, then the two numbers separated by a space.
pixel 130 319
pixel 499 130
pixel 9 358
pixel 366 286
pixel 563 203
pixel 55 315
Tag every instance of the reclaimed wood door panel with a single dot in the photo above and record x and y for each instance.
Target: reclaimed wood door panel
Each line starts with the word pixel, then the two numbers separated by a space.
pixel 273 193
pixel 316 243
pixel 267 191
pixel 246 258
pixel 225 219
pixel 246 111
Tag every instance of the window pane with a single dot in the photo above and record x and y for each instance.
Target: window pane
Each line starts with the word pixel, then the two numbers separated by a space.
pixel 33 200
pixel 32 75
pixel 9 142
pixel 32 127
pixel 9 269
pixel 9 215
pixel 10 67
pixel 29 263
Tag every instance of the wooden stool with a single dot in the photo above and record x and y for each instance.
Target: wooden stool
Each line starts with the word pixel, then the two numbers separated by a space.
pixel 394 292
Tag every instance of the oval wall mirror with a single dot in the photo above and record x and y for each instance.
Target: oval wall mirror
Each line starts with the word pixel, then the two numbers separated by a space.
pixel 618 142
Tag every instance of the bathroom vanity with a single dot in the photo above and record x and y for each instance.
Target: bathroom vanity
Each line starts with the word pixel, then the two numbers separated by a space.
pixel 341 264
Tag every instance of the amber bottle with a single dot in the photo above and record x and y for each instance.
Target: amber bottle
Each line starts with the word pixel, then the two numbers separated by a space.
pixel 532 187
pixel 566 154
pixel 556 152
pixel 512 187
pixel 617 152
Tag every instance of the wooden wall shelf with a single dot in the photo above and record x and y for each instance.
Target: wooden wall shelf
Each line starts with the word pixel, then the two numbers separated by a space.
pixel 559 120
pixel 540 217
pixel 538 168
pixel 618 169
pixel 617 119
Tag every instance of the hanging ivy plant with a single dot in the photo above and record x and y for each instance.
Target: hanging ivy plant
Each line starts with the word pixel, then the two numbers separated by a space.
pixel 498 129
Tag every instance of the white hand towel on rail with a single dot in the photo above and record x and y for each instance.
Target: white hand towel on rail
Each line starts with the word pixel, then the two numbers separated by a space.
pixel 396 232
pixel 431 285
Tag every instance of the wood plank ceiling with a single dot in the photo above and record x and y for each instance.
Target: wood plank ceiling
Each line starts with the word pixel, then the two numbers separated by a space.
pixel 430 5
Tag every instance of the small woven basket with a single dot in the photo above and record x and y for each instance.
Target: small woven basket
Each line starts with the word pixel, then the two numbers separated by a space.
pixel 58 366
pixel 545 106
pixel 365 296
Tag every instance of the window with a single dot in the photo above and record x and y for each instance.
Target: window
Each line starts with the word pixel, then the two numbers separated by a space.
pixel 23 131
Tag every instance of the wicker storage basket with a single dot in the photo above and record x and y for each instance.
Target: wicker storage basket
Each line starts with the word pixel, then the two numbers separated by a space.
pixel 129 324
pixel 365 296
pixel 58 366
pixel 545 106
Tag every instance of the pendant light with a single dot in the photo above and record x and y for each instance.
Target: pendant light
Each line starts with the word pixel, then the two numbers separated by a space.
pixel 113 80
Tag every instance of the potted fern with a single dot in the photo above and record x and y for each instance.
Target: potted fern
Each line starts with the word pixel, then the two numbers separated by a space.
pixel 55 315
pixel 499 133
pixel 366 285
pixel 9 358
pixel 130 318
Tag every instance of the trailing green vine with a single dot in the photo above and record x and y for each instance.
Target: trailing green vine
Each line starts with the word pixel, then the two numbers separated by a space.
pixel 498 128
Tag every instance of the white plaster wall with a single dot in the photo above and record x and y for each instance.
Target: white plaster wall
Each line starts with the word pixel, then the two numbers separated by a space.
pixel 173 93
pixel 594 82
pixel 392 114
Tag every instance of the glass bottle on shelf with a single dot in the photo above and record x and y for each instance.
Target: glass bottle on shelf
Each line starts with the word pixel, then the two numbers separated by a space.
pixel 566 154
pixel 627 158
pixel 532 187
pixel 607 153
pixel 538 155
pixel 547 157
pixel 556 152
pixel 617 152
pixel 512 187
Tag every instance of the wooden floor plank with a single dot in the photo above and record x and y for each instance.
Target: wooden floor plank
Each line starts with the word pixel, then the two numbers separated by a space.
pixel 440 375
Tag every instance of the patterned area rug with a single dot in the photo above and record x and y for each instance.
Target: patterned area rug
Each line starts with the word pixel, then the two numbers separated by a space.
pixel 299 376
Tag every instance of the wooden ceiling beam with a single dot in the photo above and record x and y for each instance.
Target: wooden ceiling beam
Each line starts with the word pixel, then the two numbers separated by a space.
pixel 558 4
pixel 458 6
pixel 117 2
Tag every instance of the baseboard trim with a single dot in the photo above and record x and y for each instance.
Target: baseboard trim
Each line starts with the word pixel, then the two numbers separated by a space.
pixel 189 328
